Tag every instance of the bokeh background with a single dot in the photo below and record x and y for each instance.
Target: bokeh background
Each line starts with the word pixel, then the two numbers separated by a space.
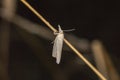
pixel 26 42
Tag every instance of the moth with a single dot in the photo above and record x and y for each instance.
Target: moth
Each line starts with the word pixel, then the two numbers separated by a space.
pixel 58 44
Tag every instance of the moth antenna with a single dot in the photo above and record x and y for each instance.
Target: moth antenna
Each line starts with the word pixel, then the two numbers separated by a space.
pixel 68 30
pixel 65 30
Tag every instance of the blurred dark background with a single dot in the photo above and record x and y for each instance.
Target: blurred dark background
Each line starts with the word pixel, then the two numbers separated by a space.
pixel 29 55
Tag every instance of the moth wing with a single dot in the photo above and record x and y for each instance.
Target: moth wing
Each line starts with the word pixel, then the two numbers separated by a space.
pixel 59 42
pixel 54 52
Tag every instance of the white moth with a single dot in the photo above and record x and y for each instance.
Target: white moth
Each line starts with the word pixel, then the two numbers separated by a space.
pixel 58 44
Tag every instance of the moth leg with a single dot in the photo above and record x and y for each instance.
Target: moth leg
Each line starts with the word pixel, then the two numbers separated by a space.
pixel 52 42
pixel 55 33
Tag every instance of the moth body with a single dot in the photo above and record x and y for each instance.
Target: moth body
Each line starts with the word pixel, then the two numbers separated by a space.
pixel 58 44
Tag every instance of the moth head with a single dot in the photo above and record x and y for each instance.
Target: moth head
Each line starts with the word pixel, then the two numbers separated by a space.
pixel 60 30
